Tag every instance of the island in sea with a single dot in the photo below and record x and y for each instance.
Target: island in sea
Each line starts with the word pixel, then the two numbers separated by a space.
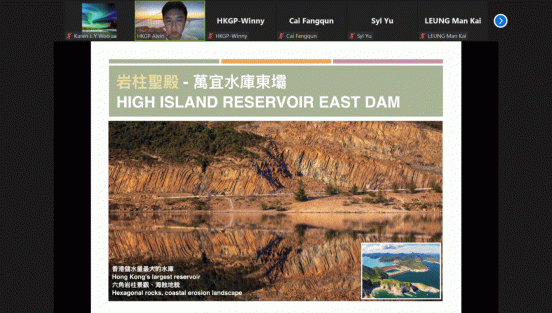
pixel 391 278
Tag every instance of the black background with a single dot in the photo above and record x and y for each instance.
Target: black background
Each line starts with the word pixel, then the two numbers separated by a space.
pixel 312 10
pixel 360 14
pixel 505 202
pixel 524 142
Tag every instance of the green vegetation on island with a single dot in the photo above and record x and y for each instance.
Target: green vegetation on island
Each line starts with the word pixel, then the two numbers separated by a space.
pixel 300 194
pixel 377 276
pixel 331 190
pixel 379 197
pixel 375 273
pixel 411 187
pixel 275 205
pixel 436 187
pixel 179 141
pixel 435 125
pixel 414 265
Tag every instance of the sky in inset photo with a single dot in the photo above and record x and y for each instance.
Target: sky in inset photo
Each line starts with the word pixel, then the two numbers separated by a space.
pixel 425 248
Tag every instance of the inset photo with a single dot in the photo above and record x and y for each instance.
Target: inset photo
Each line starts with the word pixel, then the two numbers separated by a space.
pixel 173 20
pixel 401 271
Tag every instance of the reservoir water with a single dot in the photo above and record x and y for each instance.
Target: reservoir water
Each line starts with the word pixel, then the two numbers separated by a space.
pixel 367 261
pixel 430 278
pixel 424 224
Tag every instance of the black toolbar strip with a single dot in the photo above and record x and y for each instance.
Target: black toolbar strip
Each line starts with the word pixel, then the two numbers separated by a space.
pixel 278 21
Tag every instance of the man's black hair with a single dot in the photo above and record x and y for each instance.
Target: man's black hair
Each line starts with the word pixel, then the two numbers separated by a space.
pixel 174 5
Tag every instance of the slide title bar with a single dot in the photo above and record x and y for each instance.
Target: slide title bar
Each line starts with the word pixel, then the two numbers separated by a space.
pixel 281 88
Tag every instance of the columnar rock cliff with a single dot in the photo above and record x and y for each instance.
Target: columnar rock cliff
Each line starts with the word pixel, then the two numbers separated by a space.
pixel 159 178
pixel 369 154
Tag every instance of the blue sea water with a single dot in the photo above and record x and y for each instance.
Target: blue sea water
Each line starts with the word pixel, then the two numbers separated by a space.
pixel 367 261
pixel 430 278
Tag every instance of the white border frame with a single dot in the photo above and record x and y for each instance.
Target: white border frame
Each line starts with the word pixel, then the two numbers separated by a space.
pixel 449 52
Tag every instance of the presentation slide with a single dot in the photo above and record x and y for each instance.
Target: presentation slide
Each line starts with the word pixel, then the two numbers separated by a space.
pixel 253 178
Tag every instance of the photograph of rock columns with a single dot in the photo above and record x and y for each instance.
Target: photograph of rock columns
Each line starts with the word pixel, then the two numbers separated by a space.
pixel 265 210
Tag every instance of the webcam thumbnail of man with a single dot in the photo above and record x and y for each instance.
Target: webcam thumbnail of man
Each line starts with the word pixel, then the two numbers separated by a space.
pixel 99 17
pixel 173 20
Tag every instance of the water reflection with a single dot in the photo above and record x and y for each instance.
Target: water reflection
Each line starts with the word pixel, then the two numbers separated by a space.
pixel 429 224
